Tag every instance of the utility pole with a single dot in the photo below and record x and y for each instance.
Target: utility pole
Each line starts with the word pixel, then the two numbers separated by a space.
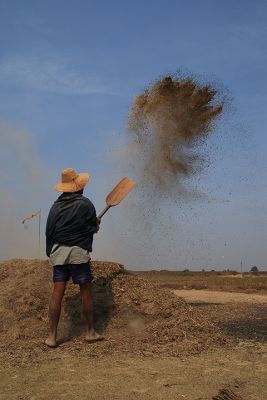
pixel 39 235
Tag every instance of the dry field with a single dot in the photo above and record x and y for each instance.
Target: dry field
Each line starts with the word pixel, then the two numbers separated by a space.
pixel 225 281
pixel 162 340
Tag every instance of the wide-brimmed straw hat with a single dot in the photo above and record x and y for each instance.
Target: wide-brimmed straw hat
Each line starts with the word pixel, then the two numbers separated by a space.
pixel 71 181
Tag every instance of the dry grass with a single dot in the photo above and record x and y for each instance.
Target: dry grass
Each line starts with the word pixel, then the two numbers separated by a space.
pixel 127 310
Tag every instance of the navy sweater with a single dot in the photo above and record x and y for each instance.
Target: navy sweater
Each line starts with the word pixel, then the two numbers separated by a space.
pixel 71 221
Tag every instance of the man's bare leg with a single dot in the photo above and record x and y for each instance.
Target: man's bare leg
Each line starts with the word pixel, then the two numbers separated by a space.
pixel 54 312
pixel 91 334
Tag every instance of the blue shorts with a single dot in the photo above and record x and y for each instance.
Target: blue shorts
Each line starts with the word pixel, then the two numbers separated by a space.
pixel 80 273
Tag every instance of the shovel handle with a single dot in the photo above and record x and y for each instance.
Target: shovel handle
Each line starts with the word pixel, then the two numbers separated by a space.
pixel 103 212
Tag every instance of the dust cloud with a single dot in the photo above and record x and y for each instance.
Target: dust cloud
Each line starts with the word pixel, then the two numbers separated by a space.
pixel 169 129
pixel 172 120
pixel 23 189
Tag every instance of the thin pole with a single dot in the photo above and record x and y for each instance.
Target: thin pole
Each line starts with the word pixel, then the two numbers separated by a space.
pixel 103 212
pixel 39 235
pixel 241 267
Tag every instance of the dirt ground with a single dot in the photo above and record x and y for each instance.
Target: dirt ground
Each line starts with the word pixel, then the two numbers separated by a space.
pixel 134 369
pixel 127 376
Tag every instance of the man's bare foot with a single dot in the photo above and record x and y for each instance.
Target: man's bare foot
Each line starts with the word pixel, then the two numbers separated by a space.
pixel 50 343
pixel 93 336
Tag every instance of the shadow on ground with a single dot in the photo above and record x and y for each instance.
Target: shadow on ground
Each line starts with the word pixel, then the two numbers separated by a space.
pixel 103 305
pixel 249 327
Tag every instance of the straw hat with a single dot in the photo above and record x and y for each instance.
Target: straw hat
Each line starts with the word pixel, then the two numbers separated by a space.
pixel 71 181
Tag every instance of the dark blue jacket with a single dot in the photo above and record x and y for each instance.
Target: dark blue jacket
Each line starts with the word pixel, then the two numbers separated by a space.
pixel 71 221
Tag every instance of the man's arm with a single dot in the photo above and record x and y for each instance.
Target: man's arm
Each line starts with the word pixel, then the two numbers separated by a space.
pixel 91 216
pixel 96 221
pixel 48 234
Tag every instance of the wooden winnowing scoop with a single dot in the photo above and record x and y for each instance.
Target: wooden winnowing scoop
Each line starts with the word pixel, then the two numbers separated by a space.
pixel 119 192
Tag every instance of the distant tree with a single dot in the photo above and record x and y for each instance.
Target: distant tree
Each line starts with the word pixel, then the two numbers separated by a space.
pixel 203 270
pixel 186 270
pixel 254 269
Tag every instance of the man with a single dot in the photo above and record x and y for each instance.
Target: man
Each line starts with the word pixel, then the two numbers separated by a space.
pixel 70 227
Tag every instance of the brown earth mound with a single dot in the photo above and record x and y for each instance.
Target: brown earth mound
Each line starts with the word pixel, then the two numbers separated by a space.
pixel 133 314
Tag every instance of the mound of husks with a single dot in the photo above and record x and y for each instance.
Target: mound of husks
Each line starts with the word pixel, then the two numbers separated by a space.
pixel 133 314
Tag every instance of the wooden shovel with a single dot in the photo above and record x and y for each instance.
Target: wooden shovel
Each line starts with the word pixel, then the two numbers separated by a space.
pixel 117 194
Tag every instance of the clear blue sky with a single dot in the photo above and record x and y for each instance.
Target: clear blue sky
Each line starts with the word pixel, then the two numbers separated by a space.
pixel 68 73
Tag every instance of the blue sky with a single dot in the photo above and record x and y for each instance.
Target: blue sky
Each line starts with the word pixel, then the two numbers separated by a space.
pixel 69 71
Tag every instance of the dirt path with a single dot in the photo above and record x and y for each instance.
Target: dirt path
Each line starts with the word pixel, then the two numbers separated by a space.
pixel 208 296
pixel 127 376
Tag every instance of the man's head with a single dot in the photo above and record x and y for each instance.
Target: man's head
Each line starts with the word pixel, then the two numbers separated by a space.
pixel 71 181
